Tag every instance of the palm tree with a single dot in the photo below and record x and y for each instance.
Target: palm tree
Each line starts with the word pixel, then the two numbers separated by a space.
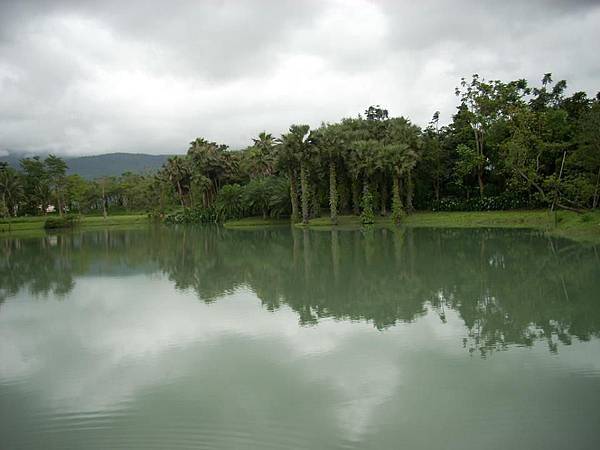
pixel 262 154
pixel 363 164
pixel 330 142
pixel 177 171
pixel 304 149
pixel 211 167
pixel 401 153
pixel 295 149
pixel 285 160
pixel 395 160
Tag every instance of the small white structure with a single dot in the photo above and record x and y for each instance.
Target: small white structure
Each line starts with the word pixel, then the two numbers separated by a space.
pixel 50 209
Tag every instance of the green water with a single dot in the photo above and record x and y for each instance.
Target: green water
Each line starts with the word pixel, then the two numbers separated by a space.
pixel 172 338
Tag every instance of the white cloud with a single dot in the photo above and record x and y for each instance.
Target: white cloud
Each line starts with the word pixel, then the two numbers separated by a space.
pixel 88 77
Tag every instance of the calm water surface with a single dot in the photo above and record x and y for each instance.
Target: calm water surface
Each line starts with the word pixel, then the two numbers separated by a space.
pixel 173 338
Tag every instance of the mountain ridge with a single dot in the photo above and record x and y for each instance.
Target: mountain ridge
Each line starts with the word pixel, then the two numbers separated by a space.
pixel 105 164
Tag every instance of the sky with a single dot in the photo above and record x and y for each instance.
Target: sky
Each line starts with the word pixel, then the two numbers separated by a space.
pixel 85 77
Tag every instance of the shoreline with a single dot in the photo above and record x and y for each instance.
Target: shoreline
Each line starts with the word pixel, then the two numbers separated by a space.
pixel 22 225
pixel 579 227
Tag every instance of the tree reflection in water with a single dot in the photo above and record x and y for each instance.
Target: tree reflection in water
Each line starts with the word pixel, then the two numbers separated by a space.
pixel 509 287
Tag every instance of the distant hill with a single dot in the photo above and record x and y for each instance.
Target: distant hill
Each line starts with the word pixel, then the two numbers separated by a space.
pixel 109 164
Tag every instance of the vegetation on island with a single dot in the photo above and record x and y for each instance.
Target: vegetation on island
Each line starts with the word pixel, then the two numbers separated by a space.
pixel 509 145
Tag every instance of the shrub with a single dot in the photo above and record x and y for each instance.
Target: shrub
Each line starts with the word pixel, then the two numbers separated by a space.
pixel 229 203
pixel 269 196
pixel 68 221
pixel 504 201
pixel 192 215
pixel 367 216
pixel 3 209
pixel 256 197
pixel 266 197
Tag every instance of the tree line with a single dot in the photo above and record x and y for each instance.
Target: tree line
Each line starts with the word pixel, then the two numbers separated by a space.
pixel 42 186
pixel 509 145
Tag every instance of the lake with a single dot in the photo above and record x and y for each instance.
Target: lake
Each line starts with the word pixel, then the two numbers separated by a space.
pixel 204 337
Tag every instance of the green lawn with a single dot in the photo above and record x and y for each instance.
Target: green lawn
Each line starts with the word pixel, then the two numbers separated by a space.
pixel 24 224
pixel 583 227
pixel 253 222
pixel 344 222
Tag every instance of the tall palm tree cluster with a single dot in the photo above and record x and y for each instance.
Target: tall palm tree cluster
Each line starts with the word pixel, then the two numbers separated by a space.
pixel 350 166
pixel 509 145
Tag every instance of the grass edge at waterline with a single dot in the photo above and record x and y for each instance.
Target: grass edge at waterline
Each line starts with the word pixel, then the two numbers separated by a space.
pixel 27 224
pixel 582 227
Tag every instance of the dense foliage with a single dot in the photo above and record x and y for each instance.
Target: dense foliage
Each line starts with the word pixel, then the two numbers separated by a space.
pixel 42 186
pixel 508 146
pixel 67 221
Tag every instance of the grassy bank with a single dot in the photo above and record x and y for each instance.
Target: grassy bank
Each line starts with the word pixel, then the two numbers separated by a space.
pixel 26 224
pixel 583 227
pixel 253 222
pixel 568 224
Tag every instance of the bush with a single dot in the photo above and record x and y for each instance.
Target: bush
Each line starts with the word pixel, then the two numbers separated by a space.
pixel 3 209
pixel 192 215
pixel 266 197
pixel 367 216
pixel 229 202
pixel 504 201
pixel 68 221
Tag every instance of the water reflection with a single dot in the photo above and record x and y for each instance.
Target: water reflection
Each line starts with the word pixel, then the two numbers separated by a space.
pixel 509 287
pixel 271 340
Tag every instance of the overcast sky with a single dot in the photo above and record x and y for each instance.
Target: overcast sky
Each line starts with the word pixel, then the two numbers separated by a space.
pixel 149 76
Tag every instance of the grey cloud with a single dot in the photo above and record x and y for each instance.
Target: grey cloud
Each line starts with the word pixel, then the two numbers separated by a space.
pixel 92 77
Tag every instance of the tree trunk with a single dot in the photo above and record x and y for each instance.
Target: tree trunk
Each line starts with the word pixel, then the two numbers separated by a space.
pixel 355 197
pixel 332 193
pixel 304 193
pixel 397 207
pixel 480 180
pixel 103 203
pixel 293 196
pixel 383 198
pixel 180 194
pixel 4 208
pixel 409 192
pixel 479 145
pixel 557 192
pixel 59 203
pixel 315 206
pixel 367 216
pixel 595 201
